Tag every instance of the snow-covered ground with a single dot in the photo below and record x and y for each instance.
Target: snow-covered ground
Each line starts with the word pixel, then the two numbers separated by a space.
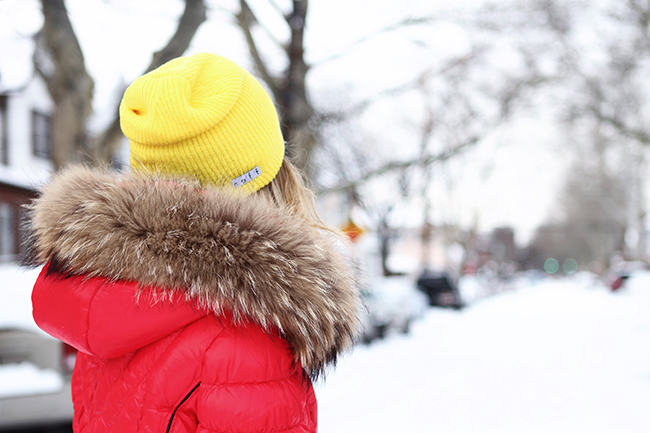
pixel 27 379
pixel 16 297
pixel 556 356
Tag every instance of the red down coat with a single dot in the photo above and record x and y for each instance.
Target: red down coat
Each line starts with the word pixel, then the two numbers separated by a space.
pixel 192 310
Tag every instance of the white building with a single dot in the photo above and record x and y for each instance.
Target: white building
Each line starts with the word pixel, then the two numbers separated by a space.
pixel 25 156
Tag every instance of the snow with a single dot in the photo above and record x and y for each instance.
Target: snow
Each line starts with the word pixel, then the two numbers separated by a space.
pixel 16 313
pixel 560 355
pixel 16 297
pixel 27 379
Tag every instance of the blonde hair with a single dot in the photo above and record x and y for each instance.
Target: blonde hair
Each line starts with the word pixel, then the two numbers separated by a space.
pixel 289 192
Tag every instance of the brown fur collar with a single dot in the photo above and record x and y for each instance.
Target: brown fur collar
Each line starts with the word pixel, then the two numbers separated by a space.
pixel 238 253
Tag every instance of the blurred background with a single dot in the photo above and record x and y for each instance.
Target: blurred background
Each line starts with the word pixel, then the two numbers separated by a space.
pixel 487 160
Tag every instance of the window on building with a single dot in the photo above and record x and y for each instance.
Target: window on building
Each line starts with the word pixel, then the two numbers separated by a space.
pixel 4 139
pixel 7 231
pixel 41 135
pixel 22 231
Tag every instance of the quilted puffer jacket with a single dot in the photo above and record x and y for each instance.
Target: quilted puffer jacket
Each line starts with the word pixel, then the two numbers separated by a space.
pixel 193 310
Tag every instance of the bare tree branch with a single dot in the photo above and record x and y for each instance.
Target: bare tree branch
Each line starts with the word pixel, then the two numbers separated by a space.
pixel 193 16
pixel 406 22
pixel 105 145
pixel 254 20
pixel 246 20
pixel 362 106
pixel 639 135
pixel 401 165
pixel 277 8
pixel 414 84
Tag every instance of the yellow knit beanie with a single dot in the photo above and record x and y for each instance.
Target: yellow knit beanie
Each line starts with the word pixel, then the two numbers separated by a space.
pixel 205 117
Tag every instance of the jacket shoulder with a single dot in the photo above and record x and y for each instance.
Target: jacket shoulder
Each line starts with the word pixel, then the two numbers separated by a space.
pixel 104 318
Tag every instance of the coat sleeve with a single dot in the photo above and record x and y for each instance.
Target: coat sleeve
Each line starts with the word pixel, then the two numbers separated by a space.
pixel 105 318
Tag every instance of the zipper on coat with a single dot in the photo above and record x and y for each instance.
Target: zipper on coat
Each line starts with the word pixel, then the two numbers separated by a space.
pixel 189 394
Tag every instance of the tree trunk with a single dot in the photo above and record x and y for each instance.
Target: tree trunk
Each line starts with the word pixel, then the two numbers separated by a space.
pixel 59 60
pixel 292 94
pixel 289 89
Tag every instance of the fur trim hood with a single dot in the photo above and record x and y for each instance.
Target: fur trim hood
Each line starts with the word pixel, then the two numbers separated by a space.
pixel 224 251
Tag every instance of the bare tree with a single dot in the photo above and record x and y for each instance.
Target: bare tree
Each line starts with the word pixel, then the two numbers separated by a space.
pixel 593 205
pixel 601 87
pixel 59 60
pixel 302 121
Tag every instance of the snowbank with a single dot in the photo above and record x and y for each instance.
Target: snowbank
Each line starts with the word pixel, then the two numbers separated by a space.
pixel 559 356
pixel 27 379
pixel 15 297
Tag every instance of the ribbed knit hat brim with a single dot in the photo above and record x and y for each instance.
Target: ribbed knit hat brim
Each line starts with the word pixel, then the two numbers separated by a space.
pixel 203 117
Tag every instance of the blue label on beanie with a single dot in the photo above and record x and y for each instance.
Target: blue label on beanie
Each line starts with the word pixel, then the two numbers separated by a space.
pixel 246 177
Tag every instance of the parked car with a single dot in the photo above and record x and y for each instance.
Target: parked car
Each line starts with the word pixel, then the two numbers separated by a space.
pixel 35 369
pixel 373 322
pixel 392 304
pixel 440 289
